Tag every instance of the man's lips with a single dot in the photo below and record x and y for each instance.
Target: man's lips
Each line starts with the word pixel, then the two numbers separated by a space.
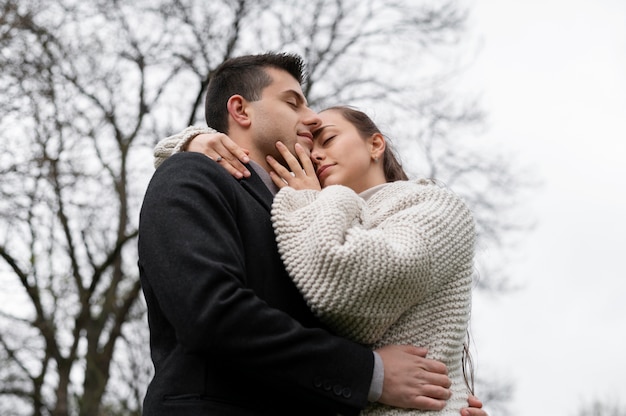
pixel 307 137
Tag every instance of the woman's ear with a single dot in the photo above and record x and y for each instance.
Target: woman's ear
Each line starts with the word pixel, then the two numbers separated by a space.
pixel 238 109
pixel 377 146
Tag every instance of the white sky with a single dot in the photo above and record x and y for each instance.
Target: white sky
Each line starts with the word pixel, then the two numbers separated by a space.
pixel 553 73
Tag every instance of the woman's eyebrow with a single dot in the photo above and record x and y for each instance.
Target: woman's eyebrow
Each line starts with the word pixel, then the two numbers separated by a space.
pixel 319 131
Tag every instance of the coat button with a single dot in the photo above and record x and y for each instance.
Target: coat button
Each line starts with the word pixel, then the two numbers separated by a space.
pixel 346 392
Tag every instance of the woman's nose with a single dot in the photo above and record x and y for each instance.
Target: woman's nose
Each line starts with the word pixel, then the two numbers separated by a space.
pixel 316 154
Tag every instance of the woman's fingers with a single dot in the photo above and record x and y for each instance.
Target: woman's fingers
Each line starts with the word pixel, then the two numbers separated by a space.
pixel 305 160
pixel 279 174
pixel 279 169
pixel 234 155
pixel 301 165
pixel 291 160
pixel 298 176
pixel 223 150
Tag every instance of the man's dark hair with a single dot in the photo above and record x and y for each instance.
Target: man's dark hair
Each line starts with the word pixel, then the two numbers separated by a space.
pixel 245 76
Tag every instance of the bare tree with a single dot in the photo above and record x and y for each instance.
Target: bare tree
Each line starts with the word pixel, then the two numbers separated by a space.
pixel 88 89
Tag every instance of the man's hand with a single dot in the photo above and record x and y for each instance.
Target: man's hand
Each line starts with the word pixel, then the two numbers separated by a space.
pixel 223 150
pixel 475 408
pixel 413 381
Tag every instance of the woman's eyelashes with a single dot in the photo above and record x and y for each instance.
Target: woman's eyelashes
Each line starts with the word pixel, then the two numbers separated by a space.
pixel 327 139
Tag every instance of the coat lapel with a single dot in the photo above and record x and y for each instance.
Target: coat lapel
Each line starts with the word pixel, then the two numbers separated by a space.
pixel 255 187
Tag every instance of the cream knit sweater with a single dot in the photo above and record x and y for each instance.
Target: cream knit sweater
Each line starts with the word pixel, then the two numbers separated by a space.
pixel 395 269
pixel 175 143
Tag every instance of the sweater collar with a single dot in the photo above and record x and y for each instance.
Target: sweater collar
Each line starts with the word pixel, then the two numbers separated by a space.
pixel 368 193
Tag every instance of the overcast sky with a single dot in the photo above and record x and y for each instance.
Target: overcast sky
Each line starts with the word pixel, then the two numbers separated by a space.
pixel 553 73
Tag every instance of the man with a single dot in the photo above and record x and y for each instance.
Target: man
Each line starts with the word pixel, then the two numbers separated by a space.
pixel 230 333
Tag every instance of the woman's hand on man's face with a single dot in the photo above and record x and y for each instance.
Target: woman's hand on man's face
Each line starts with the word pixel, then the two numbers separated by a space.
pixel 300 175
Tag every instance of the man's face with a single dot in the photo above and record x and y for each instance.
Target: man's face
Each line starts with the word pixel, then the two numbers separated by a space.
pixel 282 114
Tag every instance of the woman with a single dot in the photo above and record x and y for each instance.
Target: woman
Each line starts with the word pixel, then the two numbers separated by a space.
pixel 380 259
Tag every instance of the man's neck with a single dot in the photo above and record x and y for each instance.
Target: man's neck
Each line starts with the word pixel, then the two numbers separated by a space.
pixel 244 140
pixel 259 159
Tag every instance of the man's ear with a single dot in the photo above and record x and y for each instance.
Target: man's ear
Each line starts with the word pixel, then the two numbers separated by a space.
pixel 377 146
pixel 238 109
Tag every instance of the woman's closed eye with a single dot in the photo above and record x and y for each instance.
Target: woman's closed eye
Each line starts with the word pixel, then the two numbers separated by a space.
pixel 326 140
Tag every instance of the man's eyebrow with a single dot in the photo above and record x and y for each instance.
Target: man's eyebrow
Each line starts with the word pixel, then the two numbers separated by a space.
pixel 296 95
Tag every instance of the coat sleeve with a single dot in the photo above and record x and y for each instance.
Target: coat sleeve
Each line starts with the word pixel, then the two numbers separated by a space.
pixel 199 286
pixel 359 272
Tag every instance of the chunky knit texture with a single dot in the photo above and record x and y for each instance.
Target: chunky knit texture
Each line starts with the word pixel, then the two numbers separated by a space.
pixel 175 143
pixel 395 269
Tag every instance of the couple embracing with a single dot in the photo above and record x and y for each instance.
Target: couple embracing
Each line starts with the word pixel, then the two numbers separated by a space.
pixel 304 277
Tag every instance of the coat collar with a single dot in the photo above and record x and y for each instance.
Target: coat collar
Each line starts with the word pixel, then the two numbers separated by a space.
pixel 257 187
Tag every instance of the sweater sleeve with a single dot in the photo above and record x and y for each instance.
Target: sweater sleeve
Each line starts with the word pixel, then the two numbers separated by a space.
pixel 175 143
pixel 361 267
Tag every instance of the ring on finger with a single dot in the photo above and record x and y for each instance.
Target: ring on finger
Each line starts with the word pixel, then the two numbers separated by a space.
pixel 218 159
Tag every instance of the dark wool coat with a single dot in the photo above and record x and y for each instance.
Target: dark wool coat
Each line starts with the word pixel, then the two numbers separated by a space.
pixel 229 332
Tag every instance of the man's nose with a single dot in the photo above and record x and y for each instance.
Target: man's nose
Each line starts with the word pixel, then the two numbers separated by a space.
pixel 312 120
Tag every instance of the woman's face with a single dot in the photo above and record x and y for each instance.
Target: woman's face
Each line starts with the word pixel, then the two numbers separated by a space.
pixel 342 157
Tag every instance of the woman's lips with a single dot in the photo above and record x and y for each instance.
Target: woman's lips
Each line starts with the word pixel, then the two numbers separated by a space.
pixel 323 169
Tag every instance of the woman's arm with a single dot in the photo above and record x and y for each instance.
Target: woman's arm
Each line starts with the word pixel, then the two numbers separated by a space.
pixel 208 141
pixel 361 266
